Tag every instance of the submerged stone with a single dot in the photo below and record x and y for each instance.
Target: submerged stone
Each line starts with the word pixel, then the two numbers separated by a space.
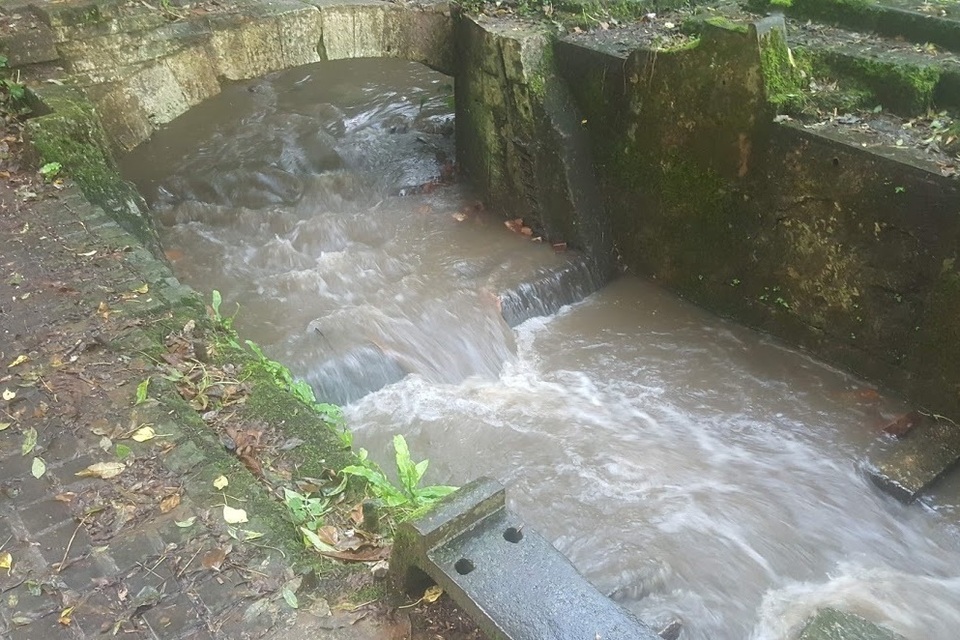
pixel 831 624
pixel 930 451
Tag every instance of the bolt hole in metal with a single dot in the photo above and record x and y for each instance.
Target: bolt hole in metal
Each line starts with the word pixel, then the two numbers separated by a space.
pixel 513 534
pixel 464 566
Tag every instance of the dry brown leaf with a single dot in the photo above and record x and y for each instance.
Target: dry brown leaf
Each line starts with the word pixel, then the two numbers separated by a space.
pixel 105 470
pixel 170 503
pixel 432 594
pixel 213 559
pixel 64 618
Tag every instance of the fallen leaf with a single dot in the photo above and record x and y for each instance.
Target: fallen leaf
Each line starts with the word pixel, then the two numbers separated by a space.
pixel 106 443
pixel 220 483
pixel 5 425
pixel 88 254
pixel 213 559
pixel 18 360
pixel 243 534
pixel 9 395
pixel 143 434
pixel 105 470
pixel 67 496
pixel 6 562
pixel 38 468
pixel 183 524
pixel 432 594
pixel 142 290
pixel 64 618
pixel 290 597
pixel 234 516
pixel 169 503
pixel 29 441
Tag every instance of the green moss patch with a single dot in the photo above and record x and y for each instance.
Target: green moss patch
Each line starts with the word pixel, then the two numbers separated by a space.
pixel 71 134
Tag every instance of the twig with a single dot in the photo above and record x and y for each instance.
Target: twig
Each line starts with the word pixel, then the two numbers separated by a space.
pixel 363 604
pixel 180 573
pixel 9 538
pixel 66 551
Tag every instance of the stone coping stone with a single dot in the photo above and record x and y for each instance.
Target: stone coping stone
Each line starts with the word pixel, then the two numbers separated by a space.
pixel 832 624
pixel 512 582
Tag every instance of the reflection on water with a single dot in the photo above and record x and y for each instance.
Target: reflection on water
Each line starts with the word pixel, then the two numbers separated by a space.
pixel 687 466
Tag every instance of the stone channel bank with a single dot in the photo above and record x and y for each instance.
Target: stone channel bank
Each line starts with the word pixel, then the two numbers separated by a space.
pixel 786 177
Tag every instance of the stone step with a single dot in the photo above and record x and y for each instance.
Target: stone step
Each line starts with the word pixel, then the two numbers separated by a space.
pixel 905 77
pixel 908 468
pixel 903 19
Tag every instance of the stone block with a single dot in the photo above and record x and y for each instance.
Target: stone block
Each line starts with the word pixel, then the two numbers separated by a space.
pixel 511 581
pixel 43 515
pixel 919 460
pixel 28 41
pixel 130 550
pixel 69 538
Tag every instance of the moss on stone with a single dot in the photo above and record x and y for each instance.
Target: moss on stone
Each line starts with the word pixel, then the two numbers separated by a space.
pixel 71 133
pixel 723 22
pixel 783 78
pixel 897 85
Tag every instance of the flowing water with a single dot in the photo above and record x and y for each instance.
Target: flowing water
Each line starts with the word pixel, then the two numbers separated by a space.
pixel 687 466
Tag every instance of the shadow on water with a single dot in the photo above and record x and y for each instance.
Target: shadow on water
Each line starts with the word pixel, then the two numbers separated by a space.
pixel 689 467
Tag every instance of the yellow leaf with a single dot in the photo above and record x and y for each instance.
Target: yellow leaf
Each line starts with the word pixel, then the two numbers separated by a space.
pixel 18 360
pixel 432 594
pixel 220 483
pixel 5 425
pixel 6 562
pixel 105 470
pixel 142 289
pixel 9 395
pixel 65 616
pixel 234 516
pixel 39 468
pixel 143 434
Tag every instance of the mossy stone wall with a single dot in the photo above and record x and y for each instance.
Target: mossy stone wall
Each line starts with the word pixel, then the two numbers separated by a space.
pixel 831 246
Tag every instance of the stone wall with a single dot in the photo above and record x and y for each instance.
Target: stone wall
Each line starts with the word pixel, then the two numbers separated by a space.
pixel 830 245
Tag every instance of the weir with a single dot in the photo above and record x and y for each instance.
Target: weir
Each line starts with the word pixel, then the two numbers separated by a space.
pixel 569 140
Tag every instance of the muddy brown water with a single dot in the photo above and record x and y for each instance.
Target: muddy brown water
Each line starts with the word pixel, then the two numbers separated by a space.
pixel 692 468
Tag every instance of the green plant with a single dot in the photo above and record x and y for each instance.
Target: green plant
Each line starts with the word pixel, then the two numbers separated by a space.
pixel 11 90
pixel 309 510
pixel 409 493
pixel 50 171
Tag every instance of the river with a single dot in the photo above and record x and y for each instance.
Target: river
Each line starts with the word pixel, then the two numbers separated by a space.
pixel 692 468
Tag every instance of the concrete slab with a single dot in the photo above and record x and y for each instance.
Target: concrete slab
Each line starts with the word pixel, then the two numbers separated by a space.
pixel 511 580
